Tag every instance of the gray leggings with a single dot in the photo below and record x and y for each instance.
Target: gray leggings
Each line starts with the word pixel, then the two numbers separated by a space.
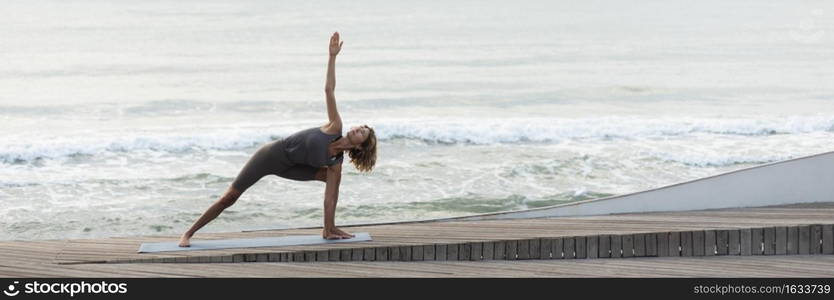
pixel 271 159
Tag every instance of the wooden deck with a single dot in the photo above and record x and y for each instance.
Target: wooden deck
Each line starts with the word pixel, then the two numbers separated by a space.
pixel 793 240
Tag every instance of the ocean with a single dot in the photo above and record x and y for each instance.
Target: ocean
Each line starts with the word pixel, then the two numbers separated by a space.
pixel 124 118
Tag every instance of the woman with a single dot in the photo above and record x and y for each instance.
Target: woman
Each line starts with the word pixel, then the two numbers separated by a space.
pixel 311 154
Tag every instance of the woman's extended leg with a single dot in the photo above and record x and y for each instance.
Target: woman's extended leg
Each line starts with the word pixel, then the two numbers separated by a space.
pixel 229 198
pixel 257 167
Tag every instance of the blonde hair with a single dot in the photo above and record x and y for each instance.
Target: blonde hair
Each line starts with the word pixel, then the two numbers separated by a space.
pixel 364 158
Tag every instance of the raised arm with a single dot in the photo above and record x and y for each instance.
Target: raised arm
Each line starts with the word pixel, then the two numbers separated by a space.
pixel 330 85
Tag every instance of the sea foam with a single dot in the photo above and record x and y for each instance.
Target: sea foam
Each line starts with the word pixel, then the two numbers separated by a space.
pixel 431 131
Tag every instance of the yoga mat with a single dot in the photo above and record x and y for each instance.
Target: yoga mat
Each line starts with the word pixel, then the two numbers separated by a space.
pixel 291 240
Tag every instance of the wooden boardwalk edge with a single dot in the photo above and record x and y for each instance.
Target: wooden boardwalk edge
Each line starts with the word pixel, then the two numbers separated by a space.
pixel 773 240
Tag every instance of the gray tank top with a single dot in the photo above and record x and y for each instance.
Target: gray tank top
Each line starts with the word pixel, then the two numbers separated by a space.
pixel 309 147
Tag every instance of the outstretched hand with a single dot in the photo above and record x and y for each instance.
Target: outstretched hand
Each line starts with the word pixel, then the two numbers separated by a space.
pixel 335 45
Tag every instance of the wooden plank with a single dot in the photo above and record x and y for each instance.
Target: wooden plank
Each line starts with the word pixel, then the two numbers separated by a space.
pixel 357 254
pixel 733 246
pixel 440 252
pixel 477 251
pixel 756 241
pixel 781 247
pixel 805 239
pixel 628 245
pixel 406 252
pixel 535 251
pixel 580 247
pixel 309 256
pixel 639 244
pixel 687 248
pixel 593 246
pixel 651 244
pixel 346 255
pixel 698 243
pixel 282 257
pixel 273 257
pixel 499 249
pixel 247 257
pixel 641 268
pixel 523 249
pixel 674 243
pixel 568 247
pixel 394 253
pixel 464 251
pixel 616 246
pixel 693 269
pixel 381 253
pixel 487 250
pixel 428 252
pixel 769 242
pixel 556 248
pixel 722 242
pixel 545 245
pixel 709 242
pixel 746 242
pixel 323 255
pixel 417 252
pixel 816 239
pixel 793 240
pixel 828 239
pixel 335 255
pixel 511 252
pixel 369 254
pixel 237 258
pixel 604 246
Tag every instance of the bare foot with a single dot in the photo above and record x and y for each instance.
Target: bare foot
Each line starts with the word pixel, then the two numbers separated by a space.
pixel 343 234
pixel 329 235
pixel 184 241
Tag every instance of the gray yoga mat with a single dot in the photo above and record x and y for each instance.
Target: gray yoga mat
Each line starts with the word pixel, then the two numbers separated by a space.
pixel 291 240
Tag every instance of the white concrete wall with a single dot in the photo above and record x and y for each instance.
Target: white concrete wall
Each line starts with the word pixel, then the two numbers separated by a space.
pixel 800 180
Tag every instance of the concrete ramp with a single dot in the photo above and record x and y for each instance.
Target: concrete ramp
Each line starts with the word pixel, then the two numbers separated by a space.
pixel 800 180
